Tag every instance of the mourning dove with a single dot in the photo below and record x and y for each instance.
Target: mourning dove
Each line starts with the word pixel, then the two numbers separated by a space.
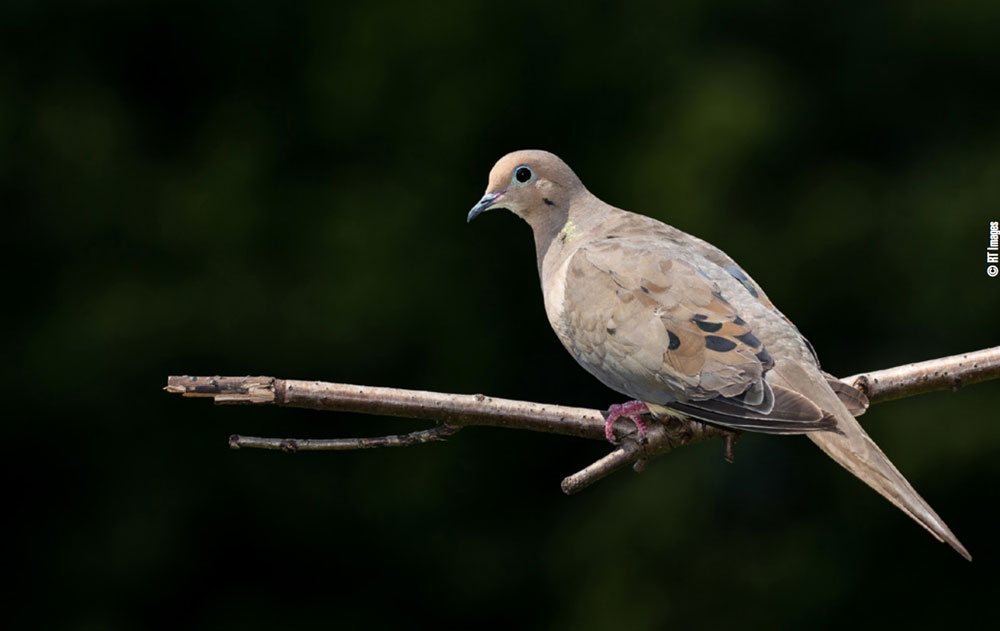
pixel 671 321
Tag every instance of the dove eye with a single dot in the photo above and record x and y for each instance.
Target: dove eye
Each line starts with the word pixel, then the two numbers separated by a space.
pixel 523 174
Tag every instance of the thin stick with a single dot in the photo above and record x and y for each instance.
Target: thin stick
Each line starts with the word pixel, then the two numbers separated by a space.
pixel 291 445
pixel 662 438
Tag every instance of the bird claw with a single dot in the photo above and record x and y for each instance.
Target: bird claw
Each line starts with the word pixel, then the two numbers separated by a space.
pixel 632 410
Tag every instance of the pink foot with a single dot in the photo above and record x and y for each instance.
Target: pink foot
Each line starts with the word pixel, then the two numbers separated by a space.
pixel 630 410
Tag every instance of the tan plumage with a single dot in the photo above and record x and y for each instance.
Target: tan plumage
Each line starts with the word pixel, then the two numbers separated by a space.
pixel 670 320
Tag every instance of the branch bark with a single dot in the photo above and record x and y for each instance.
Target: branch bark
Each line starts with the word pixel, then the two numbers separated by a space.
pixel 455 411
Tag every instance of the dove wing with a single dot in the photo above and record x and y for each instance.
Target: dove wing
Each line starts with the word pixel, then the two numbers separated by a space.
pixel 654 327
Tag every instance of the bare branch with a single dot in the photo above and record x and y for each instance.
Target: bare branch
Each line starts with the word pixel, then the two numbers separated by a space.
pixel 439 432
pixel 455 411
pixel 947 373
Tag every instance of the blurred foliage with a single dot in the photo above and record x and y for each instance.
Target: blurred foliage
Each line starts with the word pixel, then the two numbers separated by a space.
pixel 281 189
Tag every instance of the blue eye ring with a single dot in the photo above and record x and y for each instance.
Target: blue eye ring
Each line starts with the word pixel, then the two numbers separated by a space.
pixel 523 175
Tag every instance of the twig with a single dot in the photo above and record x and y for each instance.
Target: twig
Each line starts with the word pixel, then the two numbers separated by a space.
pixel 457 410
pixel 439 432
pixel 661 439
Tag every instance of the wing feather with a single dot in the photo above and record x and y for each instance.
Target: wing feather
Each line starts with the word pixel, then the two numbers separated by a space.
pixel 660 330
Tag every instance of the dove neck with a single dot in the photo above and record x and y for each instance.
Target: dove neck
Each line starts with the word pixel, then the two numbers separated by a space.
pixel 561 231
pixel 547 229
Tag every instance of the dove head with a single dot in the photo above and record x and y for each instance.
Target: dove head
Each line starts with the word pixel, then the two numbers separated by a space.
pixel 534 185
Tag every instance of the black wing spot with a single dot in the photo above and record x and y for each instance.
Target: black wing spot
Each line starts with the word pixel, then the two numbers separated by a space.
pixel 611 331
pixel 736 272
pixel 749 339
pixel 548 202
pixel 764 357
pixel 708 327
pixel 699 316
pixel 741 276
pixel 719 344
pixel 738 321
pixel 675 341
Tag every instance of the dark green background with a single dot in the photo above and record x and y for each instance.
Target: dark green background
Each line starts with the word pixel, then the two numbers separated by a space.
pixel 243 188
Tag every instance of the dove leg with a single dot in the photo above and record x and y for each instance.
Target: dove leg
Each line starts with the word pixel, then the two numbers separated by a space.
pixel 632 410
pixel 730 442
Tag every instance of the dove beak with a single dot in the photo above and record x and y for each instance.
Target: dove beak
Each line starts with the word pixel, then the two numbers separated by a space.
pixel 484 204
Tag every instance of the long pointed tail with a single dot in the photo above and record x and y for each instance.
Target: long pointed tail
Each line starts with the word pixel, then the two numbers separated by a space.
pixel 859 454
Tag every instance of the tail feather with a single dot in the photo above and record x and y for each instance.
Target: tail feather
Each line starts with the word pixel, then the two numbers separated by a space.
pixel 851 447
pixel 859 454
